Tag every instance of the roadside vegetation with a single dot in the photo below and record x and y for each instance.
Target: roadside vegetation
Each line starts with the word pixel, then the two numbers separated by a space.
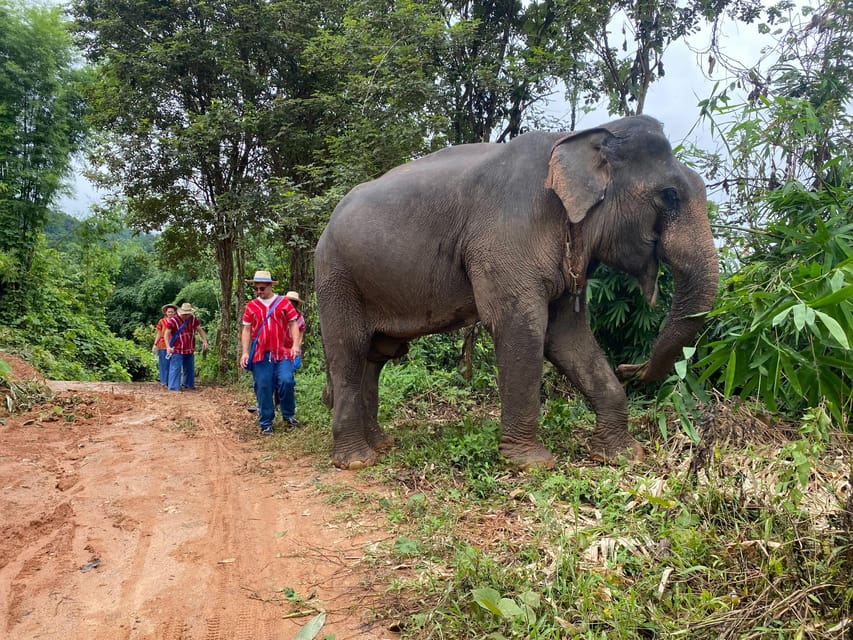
pixel 745 534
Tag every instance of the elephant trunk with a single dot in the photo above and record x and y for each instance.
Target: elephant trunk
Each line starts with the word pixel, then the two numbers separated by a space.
pixel 688 247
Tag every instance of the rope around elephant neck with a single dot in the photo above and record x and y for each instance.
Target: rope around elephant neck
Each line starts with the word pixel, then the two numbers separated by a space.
pixel 574 270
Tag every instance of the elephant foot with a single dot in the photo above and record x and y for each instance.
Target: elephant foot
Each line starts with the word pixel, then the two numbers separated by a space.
pixel 380 441
pixel 527 456
pixel 611 446
pixel 355 460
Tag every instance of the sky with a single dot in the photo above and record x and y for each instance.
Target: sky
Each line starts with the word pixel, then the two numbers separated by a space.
pixel 672 100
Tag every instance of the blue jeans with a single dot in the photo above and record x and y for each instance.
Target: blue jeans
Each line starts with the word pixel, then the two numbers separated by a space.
pixel 269 378
pixel 177 378
pixel 163 366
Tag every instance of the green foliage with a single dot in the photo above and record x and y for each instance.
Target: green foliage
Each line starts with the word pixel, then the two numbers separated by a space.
pixel 624 324
pixel 41 127
pixel 203 296
pixel 597 67
pixel 800 455
pixel 783 323
pixel 63 333
pixel 604 552
pixel 20 395
pixel 140 304
pixel 785 319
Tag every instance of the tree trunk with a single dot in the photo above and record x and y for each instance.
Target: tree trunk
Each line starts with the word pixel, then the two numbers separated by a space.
pixel 224 246
pixel 466 361
pixel 301 274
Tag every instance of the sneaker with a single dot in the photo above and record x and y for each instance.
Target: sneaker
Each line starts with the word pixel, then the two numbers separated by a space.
pixel 266 432
pixel 293 422
pixel 252 409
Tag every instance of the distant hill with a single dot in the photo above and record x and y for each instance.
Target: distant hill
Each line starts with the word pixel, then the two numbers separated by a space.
pixel 62 228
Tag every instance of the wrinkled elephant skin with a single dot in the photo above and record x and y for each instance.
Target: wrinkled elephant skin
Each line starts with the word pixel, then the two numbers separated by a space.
pixel 508 234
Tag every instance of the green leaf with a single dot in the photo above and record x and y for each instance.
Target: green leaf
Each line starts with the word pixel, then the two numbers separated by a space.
pixel 834 328
pixel 779 318
pixel 509 608
pixel 730 373
pixel 681 368
pixel 799 316
pixel 406 547
pixel 489 599
pixel 662 425
pixel 312 628
pixel 531 599
pixel 833 298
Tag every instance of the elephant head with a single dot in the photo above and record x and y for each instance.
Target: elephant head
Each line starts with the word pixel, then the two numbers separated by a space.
pixel 630 204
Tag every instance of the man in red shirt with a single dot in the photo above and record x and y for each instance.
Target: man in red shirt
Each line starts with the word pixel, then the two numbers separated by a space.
pixel 179 334
pixel 267 320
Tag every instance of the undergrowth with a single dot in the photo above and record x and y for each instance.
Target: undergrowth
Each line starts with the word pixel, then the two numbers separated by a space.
pixel 745 534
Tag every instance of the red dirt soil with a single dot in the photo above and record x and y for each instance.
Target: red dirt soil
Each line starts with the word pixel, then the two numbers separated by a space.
pixel 130 512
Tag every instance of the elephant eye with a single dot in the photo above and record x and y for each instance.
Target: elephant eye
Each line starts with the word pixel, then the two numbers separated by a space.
pixel 669 199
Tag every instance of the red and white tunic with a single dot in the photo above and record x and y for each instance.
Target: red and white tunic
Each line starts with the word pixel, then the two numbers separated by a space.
pixel 275 337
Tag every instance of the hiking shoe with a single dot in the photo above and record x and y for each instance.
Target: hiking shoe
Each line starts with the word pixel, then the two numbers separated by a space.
pixel 252 409
pixel 266 432
pixel 293 422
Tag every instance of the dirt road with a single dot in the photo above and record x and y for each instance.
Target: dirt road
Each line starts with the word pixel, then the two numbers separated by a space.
pixel 128 512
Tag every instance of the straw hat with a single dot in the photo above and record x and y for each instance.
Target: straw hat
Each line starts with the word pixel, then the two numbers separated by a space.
pixel 186 309
pixel 293 297
pixel 263 276
pixel 169 306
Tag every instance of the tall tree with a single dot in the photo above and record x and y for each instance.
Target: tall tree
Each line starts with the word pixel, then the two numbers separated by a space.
pixel 41 127
pixel 185 89
pixel 615 51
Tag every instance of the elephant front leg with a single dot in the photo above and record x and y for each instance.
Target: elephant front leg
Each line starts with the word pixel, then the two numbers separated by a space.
pixel 573 349
pixel 519 358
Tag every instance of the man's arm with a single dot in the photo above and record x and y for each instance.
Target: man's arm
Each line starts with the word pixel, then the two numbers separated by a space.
pixel 246 344
pixel 167 336
pixel 296 334
pixel 203 339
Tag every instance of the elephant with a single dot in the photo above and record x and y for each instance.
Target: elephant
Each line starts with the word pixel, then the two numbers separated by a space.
pixel 508 234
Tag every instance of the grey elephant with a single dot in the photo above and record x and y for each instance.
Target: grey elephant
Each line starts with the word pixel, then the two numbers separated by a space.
pixel 508 234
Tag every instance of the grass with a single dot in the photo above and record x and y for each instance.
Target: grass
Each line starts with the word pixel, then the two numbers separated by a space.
pixel 745 535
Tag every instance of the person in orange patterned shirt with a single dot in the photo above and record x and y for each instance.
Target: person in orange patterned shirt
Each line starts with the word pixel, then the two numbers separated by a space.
pixel 159 346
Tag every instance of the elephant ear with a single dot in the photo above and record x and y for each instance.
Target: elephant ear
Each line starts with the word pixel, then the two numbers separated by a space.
pixel 578 171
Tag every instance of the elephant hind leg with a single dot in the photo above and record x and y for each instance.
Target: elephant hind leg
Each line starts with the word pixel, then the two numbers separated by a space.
pixel 346 340
pixel 376 437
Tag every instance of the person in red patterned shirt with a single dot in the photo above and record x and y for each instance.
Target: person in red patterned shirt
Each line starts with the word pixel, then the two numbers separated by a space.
pixel 267 320
pixel 179 335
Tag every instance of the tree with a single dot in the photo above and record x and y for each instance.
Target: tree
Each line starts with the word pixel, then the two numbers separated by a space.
pixel 784 321
pixel 184 98
pixel 41 127
pixel 621 67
